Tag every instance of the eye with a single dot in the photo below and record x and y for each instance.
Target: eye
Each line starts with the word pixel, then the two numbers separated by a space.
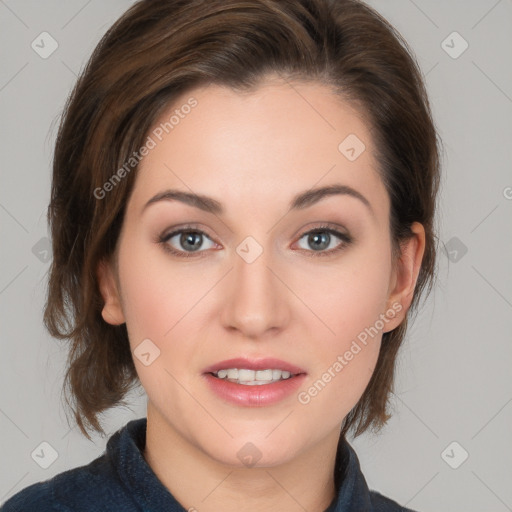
pixel 190 242
pixel 186 242
pixel 325 240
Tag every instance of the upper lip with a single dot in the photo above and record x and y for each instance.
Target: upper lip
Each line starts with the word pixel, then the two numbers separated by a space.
pixel 254 364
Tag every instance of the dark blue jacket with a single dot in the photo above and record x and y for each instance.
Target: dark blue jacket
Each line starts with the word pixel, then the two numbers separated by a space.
pixel 121 481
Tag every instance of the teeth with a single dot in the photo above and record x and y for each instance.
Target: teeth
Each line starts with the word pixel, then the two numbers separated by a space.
pixel 265 374
pixel 246 375
pixel 252 377
pixel 232 373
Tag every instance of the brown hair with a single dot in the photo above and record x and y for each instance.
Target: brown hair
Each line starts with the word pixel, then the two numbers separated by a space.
pixel 157 51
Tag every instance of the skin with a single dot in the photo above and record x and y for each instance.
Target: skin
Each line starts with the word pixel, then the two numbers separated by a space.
pixel 253 152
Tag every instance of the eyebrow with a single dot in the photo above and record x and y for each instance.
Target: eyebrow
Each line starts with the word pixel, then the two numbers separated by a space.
pixel 299 202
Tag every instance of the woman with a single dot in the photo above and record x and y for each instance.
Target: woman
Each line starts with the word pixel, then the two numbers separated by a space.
pixel 242 218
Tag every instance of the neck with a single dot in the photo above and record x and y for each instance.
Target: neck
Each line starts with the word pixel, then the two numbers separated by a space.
pixel 199 482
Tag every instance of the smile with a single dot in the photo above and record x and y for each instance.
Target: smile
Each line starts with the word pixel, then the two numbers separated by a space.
pixel 252 377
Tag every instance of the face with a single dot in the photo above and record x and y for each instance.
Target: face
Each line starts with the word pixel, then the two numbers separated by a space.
pixel 258 271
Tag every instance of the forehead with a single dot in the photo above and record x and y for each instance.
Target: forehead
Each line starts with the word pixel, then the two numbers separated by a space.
pixel 268 144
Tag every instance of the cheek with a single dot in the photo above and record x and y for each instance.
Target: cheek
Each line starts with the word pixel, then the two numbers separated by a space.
pixel 350 296
pixel 156 295
pixel 350 304
pixel 158 303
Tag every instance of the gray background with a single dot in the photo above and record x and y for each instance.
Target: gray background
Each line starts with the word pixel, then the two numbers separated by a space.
pixel 454 380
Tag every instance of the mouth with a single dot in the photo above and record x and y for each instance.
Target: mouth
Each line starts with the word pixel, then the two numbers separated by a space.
pixel 254 372
pixel 245 382
pixel 249 377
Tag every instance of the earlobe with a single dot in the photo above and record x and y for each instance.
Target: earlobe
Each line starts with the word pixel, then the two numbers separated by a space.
pixel 406 274
pixel 112 311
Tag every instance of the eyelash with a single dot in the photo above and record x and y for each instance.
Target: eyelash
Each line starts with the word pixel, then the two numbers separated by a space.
pixel 346 240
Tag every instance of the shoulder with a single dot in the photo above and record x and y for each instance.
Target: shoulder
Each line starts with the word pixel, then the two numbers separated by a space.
pixel 86 488
pixel 381 503
pixel 36 497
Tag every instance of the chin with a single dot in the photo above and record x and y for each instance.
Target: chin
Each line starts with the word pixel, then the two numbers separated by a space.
pixel 243 452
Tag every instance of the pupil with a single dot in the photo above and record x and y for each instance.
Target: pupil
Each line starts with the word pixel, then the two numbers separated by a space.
pixel 319 240
pixel 187 238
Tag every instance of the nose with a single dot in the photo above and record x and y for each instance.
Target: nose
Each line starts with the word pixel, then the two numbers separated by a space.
pixel 256 300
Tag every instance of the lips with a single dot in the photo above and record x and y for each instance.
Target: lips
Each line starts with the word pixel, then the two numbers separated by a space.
pixel 254 394
pixel 255 364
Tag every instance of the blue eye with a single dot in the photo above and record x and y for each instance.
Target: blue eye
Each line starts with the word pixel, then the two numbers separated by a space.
pixel 189 241
pixel 322 241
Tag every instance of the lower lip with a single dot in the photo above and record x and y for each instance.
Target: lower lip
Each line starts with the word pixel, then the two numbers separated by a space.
pixel 257 395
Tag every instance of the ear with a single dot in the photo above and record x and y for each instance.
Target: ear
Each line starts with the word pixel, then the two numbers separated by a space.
pixel 405 275
pixel 112 311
